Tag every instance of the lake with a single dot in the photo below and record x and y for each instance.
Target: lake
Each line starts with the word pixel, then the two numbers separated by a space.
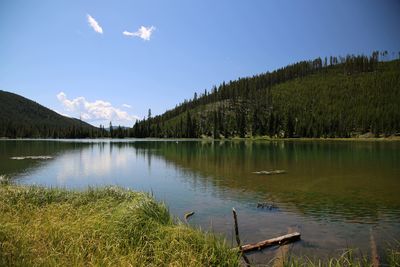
pixel 337 194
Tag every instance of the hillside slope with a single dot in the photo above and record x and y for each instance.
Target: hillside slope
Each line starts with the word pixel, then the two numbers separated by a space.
pixel 353 96
pixel 21 117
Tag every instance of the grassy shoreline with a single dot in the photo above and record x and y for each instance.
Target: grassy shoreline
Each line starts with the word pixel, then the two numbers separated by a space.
pixel 361 139
pixel 116 227
pixel 101 227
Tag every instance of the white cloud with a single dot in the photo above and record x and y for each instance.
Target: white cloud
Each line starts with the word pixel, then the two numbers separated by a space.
pixel 126 33
pixel 98 111
pixel 126 106
pixel 143 32
pixel 94 24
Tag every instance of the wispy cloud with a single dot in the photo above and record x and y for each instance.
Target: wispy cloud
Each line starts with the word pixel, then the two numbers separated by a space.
pixel 94 24
pixel 126 106
pixel 143 32
pixel 99 111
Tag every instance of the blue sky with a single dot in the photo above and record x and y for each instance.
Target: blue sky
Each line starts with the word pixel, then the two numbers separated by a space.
pixel 51 54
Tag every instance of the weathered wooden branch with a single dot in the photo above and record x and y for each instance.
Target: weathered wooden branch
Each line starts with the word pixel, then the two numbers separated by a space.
pixel 280 255
pixel 236 226
pixel 188 214
pixel 281 240
pixel 238 238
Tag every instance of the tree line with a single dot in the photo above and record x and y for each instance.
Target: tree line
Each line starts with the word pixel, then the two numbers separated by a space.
pixel 324 97
pixel 335 97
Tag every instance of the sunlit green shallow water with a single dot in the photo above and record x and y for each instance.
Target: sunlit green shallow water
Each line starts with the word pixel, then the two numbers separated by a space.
pixel 338 194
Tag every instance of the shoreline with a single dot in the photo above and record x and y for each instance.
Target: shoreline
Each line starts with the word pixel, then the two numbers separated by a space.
pixel 116 226
pixel 104 226
pixel 256 138
pixel 363 139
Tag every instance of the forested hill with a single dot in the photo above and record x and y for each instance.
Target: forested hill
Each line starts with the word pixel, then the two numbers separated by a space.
pixel 336 97
pixel 21 117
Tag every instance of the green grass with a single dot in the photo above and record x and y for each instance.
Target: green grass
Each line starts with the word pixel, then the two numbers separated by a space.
pixel 117 227
pixel 349 258
pixel 101 227
pixel 346 259
pixel 393 254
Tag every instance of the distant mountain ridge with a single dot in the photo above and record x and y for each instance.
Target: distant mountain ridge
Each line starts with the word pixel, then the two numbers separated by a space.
pixel 24 118
pixel 345 97
pixel 335 97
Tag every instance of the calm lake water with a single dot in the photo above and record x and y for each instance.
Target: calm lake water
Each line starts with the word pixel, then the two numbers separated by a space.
pixel 338 194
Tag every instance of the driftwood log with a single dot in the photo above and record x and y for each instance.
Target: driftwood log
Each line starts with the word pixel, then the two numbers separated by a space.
pixel 281 253
pixel 281 240
pixel 270 172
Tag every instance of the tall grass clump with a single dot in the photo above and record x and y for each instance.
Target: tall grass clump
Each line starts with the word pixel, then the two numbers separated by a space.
pixel 394 254
pixel 347 259
pixel 101 227
pixel 3 180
